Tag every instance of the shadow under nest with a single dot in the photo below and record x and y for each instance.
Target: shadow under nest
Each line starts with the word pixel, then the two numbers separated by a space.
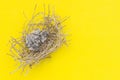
pixel 42 35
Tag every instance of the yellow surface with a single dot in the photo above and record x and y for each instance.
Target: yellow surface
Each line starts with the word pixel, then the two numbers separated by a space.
pixel 94 48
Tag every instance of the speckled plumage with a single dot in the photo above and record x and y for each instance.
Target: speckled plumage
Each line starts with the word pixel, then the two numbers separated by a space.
pixel 35 39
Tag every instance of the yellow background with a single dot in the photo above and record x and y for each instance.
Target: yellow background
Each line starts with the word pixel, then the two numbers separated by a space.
pixel 94 47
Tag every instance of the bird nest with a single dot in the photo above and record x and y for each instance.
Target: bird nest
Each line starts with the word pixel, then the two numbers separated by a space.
pixel 43 35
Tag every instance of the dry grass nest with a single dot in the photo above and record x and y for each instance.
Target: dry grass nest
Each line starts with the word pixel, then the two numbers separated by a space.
pixel 42 35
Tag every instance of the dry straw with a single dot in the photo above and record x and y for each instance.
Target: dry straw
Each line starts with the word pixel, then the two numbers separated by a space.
pixel 43 35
